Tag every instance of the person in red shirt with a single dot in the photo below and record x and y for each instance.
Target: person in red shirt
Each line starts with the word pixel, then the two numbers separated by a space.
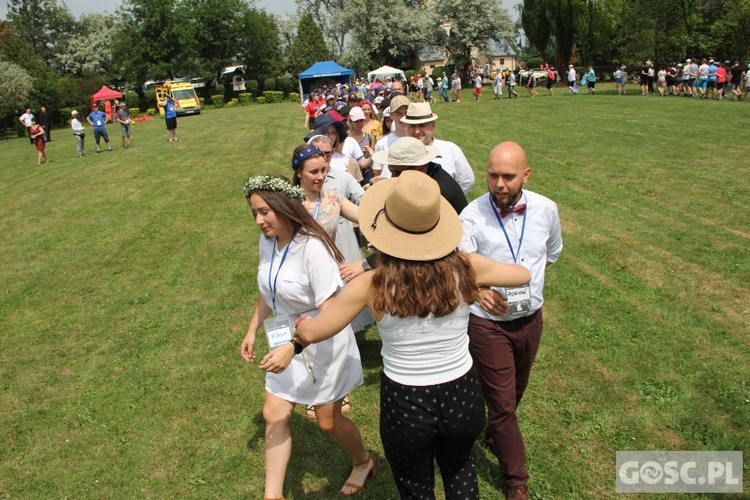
pixel 721 80
pixel 314 107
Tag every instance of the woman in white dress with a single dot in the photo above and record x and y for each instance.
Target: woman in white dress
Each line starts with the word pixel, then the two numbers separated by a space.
pixel 431 404
pixel 298 275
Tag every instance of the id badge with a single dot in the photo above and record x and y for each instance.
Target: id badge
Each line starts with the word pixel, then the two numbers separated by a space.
pixel 518 299
pixel 98 123
pixel 278 330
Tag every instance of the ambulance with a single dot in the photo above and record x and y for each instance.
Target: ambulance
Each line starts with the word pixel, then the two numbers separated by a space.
pixel 183 93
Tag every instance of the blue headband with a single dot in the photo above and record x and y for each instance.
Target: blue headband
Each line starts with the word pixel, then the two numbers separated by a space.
pixel 299 158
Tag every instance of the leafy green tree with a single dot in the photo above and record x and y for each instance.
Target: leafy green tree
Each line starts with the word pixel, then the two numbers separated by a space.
pixel 15 87
pixel 217 28
pixel 472 24
pixel 153 40
pixel 90 51
pixel 393 39
pixel 330 16
pixel 563 14
pixel 260 48
pixel 16 50
pixel 536 25
pixel 308 46
pixel 46 25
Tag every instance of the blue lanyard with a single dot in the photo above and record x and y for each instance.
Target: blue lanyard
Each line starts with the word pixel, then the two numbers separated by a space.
pixel 502 226
pixel 270 270
pixel 317 207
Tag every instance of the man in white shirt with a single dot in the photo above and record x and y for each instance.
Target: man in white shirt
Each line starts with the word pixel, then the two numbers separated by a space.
pixel 509 224
pixel 398 106
pixel 572 80
pixel 420 123
pixel 26 118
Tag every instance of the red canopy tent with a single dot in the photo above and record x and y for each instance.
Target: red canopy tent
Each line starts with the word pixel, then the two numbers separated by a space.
pixel 105 93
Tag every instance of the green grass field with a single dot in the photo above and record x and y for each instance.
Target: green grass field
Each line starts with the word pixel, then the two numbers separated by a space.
pixel 127 280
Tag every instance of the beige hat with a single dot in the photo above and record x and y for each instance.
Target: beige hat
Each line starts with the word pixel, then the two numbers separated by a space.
pixel 74 113
pixel 407 152
pixel 419 112
pixel 407 218
pixel 399 101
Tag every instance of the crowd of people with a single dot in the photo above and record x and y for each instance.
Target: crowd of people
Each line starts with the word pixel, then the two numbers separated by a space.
pixel 101 114
pixel 454 287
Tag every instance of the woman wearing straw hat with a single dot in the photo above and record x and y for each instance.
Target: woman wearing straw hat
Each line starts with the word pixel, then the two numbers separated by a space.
pixel 298 274
pixel 431 405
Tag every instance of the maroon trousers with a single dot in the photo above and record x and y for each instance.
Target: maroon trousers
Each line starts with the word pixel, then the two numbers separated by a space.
pixel 504 352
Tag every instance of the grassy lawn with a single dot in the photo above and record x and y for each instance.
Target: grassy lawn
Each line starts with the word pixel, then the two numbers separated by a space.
pixel 127 280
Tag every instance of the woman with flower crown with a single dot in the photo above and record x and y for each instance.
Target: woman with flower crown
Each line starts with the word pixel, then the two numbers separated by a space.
pixel 298 276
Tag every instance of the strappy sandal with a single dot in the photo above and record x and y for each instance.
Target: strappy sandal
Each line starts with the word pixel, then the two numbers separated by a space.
pixel 358 487
pixel 310 413
pixel 346 404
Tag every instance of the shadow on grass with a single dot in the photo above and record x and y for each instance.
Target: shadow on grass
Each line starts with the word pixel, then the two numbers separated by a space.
pixel 318 467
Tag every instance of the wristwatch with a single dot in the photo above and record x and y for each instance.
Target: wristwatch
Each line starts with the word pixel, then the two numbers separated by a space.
pixel 365 265
pixel 297 346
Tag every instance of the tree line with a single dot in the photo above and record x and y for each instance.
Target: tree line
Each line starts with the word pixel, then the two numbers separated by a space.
pixel 608 32
pixel 47 56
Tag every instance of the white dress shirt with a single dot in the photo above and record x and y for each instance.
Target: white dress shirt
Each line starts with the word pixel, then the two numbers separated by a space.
pixel 542 241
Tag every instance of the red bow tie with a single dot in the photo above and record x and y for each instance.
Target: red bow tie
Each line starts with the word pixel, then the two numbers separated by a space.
pixel 504 212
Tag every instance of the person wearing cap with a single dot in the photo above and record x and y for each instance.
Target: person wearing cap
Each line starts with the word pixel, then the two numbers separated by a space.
pixel 420 123
pixel 509 224
pixel 398 106
pixel 572 80
pixel 333 125
pixel 99 120
pixel 367 142
pixel 297 276
pixel 409 153
pixel 123 118
pixel 619 78
pixel 79 132
pixel 711 85
pixel 431 406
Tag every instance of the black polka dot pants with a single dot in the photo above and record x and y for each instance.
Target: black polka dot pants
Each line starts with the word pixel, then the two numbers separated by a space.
pixel 419 424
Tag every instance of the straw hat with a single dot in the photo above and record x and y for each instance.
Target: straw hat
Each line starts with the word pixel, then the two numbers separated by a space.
pixel 407 152
pixel 406 217
pixel 419 112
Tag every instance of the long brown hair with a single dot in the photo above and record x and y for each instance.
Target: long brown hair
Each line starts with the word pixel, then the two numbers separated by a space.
pixel 412 288
pixel 296 218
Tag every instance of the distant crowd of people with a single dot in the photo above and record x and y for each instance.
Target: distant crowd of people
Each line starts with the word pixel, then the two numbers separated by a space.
pixel 102 113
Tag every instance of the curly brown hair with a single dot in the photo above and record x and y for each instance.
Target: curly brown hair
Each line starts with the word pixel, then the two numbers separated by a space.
pixel 413 288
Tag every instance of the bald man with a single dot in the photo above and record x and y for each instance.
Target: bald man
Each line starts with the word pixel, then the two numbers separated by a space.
pixel 513 225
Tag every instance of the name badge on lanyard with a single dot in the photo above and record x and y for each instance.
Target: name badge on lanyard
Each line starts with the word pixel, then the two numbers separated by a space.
pixel 517 298
pixel 278 328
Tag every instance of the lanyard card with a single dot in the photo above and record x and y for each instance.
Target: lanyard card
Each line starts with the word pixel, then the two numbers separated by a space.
pixel 278 330
pixel 519 299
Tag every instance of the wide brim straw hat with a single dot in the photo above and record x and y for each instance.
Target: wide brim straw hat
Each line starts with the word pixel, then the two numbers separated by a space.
pixel 418 113
pixel 406 217
pixel 406 152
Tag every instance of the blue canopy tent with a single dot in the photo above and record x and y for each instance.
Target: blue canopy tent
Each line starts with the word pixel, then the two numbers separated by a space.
pixel 323 70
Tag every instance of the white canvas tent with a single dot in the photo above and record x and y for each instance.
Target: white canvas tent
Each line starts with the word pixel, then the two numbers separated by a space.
pixel 384 72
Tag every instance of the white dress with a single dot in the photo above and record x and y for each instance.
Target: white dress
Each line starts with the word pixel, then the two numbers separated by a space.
pixel 308 276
